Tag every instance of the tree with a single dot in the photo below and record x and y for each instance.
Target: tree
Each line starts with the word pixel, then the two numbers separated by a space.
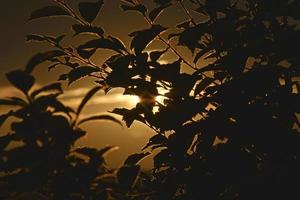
pixel 228 129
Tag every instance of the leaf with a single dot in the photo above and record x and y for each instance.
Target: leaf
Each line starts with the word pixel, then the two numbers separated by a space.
pixel 135 158
pixel 155 55
pixel 13 101
pixel 157 11
pixel 52 87
pixel 139 8
pixel 42 57
pixel 104 43
pixel 107 149
pixel 129 1
pixel 4 140
pixel 21 80
pixel 156 139
pixel 87 54
pixel 127 176
pixel 4 117
pixel 80 72
pixel 142 38
pixel 48 11
pixel 87 97
pixel 203 84
pixel 162 2
pixel 90 10
pixel 80 29
pixel 100 117
pixel 129 115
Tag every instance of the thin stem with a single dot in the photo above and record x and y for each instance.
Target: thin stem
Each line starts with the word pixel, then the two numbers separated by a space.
pixel 72 12
pixel 170 46
pixel 187 12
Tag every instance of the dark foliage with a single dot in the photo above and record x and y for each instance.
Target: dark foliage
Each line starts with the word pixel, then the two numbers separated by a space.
pixel 228 129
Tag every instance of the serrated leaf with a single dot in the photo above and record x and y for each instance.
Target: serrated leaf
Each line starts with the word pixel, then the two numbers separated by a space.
pixel 139 8
pixel 21 80
pixel 51 87
pixel 80 72
pixel 87 97
pixel 90 10
pixel 100 117
pixel 157 11
pixel 141 39
pixel 104 43
pixel 127 176
pixel 48 11
pixel 135 158
pixel 80 29
pixel 42 57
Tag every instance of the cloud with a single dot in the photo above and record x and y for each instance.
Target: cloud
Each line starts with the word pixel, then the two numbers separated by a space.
pixel 74 96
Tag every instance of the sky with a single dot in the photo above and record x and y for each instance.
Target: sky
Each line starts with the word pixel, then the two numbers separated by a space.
pixel 15 53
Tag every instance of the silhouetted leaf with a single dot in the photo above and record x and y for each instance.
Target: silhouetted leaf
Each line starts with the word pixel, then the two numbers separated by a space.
pixel 90 10
pixel 129 115
pixel 155 55
pixel 100 117
pixel 104 151
pixel 13 101
pixel 86 54
pixel 87 97
pixel 80 29
pixel 56 87
pixel 48 11
pixel 21 80
pixel 203 84
pixel 142 38
pixel 155 140
pixel 157 11
pixel 42 57
pixel 104 43
pixel 4 117
pixel 80 72
pixel 139 8
pixel 127 176
pixel 129 1
pixel 162 2
pixel 135 158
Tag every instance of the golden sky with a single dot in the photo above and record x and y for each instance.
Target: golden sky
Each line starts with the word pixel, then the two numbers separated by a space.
pixel 15 53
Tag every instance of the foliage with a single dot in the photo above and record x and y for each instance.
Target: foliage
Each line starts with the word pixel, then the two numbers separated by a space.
pixel 38 158
pixel 227 130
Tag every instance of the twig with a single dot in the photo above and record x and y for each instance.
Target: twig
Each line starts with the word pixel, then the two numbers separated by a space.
pixel 72 12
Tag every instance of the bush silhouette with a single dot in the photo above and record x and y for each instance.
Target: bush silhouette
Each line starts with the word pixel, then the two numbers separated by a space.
pixel 227 128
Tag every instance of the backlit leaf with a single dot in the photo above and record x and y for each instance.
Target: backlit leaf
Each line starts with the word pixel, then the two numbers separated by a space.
pixel 80 72
pixel 87 97
pixel 135 158
pixel 139 8
pixel 157 11
pixel 142 38
pixel 21 80
pixel 80 29
pixel 48 11
pixel 90 10
pixel 42 57
pixel 100 117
